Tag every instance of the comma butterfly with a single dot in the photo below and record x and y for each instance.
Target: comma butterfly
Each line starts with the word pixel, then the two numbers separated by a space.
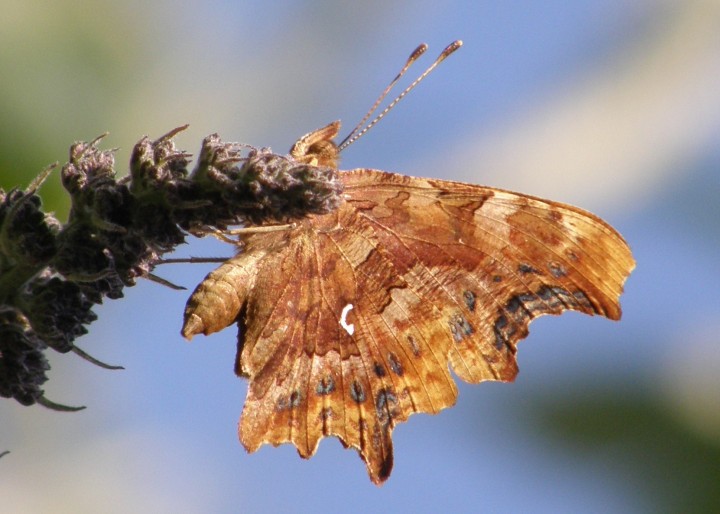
pixel 350 321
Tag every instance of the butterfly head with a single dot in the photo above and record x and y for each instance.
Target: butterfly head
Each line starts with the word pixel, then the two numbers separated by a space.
pixel 317 148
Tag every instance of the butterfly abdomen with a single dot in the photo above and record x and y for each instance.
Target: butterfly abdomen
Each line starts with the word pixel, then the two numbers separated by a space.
pixel 217 301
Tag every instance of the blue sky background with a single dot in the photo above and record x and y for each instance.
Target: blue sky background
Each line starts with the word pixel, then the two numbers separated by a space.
pixel 610 105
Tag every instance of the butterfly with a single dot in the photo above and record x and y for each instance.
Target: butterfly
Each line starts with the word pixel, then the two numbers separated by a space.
pixel 351 321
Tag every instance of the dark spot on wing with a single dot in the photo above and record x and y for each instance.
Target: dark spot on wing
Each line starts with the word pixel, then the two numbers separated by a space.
pixel 294 400
pixel 513 318
pixel 557 269
pixel 357 392
pixel 327 413
pixel 325 386
pixel 459 327
pixel 386 405
pixel 379 370
pixel 525 269
pixel 395 364
pixel 469 297
pixel 413 345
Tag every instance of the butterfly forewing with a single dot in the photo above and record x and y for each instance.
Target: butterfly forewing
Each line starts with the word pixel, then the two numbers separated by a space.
pixel 491 260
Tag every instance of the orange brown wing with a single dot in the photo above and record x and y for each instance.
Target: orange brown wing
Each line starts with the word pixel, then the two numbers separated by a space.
pixel 348 322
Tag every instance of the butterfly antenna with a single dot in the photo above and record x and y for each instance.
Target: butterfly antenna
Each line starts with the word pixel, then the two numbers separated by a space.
pixel 357 132
pixel 414 56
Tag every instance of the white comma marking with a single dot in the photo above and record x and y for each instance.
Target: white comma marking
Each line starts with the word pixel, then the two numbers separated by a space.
pixel 349 328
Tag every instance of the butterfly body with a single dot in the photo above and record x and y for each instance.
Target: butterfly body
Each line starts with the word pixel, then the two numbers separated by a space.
pixel 350 321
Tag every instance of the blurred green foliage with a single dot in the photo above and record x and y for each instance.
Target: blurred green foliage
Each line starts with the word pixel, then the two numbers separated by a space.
pixel 64 81
pixel 637 440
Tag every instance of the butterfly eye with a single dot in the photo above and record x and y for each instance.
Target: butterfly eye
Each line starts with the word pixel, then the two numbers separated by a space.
pixel 324 153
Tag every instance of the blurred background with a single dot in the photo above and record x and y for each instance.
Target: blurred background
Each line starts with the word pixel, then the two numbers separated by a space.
pixel 612 105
